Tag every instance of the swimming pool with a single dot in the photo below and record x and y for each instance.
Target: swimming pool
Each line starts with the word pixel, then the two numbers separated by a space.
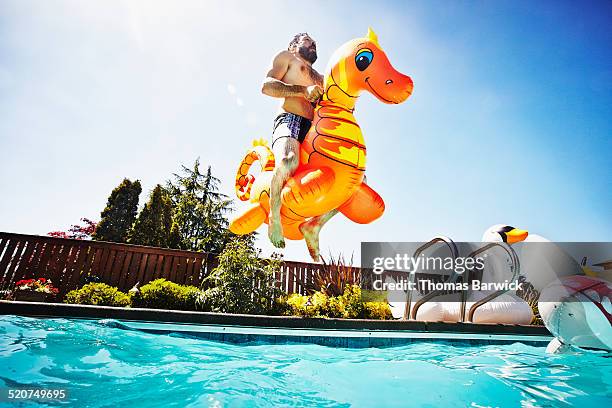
pixel 102 365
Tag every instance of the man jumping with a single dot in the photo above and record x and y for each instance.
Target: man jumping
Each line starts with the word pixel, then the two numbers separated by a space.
pixel 293 79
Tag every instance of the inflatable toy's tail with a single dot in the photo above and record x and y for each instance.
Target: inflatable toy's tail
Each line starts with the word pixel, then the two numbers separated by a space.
pixel 244 180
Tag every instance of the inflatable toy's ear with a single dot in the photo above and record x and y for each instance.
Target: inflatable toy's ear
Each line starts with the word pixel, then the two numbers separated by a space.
pixel 372 36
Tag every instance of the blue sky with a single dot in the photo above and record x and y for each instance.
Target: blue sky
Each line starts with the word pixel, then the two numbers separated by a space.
pixel 509 121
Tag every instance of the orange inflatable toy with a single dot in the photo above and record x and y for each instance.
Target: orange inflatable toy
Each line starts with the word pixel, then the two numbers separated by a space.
pixel 333 154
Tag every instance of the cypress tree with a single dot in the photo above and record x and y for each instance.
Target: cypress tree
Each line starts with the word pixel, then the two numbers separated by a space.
pixel 153 227
pixel 118 216
pixel 200 210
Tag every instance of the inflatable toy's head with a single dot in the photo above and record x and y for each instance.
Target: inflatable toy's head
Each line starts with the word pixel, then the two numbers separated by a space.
pixel 504 233
pixel 362 65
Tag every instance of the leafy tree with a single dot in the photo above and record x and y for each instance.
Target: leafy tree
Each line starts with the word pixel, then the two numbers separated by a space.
pixel 118 216
pixel 154 223
pixel 77 231
pixel 200 210
pixel 243 282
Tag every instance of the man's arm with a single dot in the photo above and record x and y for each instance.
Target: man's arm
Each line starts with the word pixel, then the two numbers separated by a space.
pixel 273 86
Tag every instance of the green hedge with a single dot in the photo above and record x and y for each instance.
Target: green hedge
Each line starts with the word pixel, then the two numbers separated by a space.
pixel 349 305
pixel 163 294
pixel 99 294
pixel 377 311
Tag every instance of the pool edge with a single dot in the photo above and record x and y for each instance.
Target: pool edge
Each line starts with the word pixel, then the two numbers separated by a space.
pixel 240 327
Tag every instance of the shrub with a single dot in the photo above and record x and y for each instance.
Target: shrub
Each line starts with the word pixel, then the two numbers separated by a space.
pixel 349 305
pixel 280 306
pixel 163 294
pixel 316 305
pixel 334 276
pixel 243 282
pixel 99 294
pixel 377 310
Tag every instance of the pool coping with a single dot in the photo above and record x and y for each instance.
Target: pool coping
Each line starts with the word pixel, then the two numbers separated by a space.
pixel 209 324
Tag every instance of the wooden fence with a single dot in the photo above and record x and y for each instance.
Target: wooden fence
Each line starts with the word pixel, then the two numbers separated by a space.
pixel 68 263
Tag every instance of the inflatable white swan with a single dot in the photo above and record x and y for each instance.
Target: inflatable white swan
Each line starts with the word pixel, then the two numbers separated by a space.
pixel 506 309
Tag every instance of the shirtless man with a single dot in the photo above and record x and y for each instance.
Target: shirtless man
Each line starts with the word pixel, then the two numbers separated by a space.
pixel 293 79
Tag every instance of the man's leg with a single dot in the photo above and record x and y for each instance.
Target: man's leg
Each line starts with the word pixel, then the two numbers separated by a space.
pixel 286 151
pixel 311 229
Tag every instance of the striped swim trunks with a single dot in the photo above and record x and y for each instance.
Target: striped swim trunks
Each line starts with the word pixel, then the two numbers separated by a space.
pixel 290 125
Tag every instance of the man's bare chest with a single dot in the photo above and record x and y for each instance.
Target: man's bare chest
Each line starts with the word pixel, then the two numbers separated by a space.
pixel 300 73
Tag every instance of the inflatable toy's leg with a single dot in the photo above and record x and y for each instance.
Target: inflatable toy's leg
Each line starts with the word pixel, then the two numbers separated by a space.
pixel 249 220
pixel 291 229
pixel 311 230
pixel 306 186
pixel 364 206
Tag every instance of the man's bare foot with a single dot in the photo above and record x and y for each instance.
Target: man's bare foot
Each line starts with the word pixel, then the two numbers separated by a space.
pixel 310 229
pixel 275 234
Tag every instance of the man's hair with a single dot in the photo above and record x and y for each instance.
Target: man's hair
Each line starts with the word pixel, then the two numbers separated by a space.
pixel 296 39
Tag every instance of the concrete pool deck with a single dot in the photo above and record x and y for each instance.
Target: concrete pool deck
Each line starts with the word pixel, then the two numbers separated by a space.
pixel 236 328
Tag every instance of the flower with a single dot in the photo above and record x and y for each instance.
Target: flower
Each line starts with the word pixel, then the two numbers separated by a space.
pixel 36 285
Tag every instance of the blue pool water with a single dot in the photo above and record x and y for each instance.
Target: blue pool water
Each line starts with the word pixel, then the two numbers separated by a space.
pixel 105 366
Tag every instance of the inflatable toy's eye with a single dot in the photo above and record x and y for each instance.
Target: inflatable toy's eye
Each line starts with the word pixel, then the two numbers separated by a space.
pixel 363 59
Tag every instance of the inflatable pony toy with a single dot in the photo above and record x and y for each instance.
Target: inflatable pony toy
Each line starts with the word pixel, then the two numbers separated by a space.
pixel 330 176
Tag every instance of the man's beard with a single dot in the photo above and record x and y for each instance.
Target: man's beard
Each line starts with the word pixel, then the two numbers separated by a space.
pixel 308 54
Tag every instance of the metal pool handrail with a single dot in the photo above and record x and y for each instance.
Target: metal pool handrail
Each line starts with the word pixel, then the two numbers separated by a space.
pixel 466 278
pixel 515 267
pixel 435 293
pixel 454 252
